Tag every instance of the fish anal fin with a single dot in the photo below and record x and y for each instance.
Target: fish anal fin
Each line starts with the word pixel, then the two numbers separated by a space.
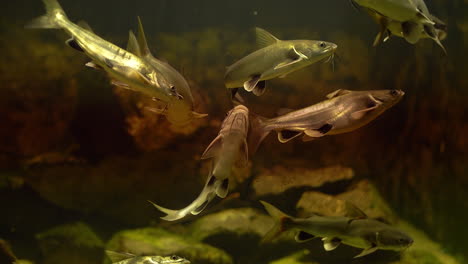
pixel 83 24
pixel 260 88
pixel 303 236
pixel 337 93
pixel 265 38
pixel 366 251
pixel 73 44
pixel 117 256
pixel 361 113
pixel 331 243
pixel 287 135
pixel 214 148
pixel 250 84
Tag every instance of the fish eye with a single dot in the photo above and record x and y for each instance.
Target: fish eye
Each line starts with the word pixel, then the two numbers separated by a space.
pixel 174 257
pixel 394 92
pixel 322 44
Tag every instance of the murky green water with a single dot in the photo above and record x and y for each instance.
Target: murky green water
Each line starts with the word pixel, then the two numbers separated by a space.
pixel 79 158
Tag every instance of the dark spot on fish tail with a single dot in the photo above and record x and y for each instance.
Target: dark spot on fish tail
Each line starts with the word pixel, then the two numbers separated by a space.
pixel 325 128
pixel 201 207
pixel 304 236
pixel 73 44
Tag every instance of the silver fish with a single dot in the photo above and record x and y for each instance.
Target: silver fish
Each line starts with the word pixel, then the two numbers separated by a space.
pixel 124 68
pixel 365 233
pixel 275 58
pixel 178 112
pixel 344 111
pixel 227 150
pixel 127 258
pixel 399 10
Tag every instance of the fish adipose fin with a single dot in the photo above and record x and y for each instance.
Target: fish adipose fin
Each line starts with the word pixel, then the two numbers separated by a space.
pixel 367 251
pixel 303 236
pixel 330 244
pixel 411 31
pixel 214 148
pixel 73 44
pixel 265 38
pixel 281 219
pixel 252 83
pixel 295 57
pixel 117 257
pixel 49 20
pixel 288 135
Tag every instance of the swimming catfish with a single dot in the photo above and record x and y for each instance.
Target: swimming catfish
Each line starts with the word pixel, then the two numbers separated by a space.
pixel 344 111
pixel 179 111
pixel 127 258
pixel 126 69
pixel 275 58
pixel 399 10
pixel 368 234
pixel 390 27
pixel 227 150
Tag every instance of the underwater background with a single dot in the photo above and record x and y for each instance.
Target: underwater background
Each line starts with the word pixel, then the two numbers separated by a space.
pixel 79 158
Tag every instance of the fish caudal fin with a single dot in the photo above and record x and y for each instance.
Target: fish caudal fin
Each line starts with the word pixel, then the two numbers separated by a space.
pixel 171 215
pixel 258 132
pixel 281 220
pixel 54 12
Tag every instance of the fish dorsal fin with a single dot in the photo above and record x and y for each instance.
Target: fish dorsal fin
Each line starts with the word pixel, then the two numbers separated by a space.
pixel 214 148
pixel 142 40
pixel 265 38
pixel 353 211
pixel 337 93
pixel 83 24
pixel 132 45
pixel 331 243
pixel 116 256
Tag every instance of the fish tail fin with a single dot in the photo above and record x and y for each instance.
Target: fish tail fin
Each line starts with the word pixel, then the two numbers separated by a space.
pixel 281 222
pixel 171 215
pixel 49 20
pixel 258 131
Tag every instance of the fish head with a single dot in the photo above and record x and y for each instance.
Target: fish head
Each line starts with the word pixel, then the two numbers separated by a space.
pixel 164 260
pixel 386 98
pixel 158 80
pixel 315 49
pixel 237 119
pixel 392 239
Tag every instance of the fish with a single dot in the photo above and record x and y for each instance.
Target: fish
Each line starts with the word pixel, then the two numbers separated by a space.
pixel 390 27
pixel 178 112
pixel 275 58
pixel 126 70
pixel 360 232
pixel 127 258
pixel 344 111
pixel 228 150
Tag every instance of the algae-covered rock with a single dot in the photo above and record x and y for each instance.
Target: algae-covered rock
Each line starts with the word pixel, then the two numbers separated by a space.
pixel 295 258
pixel 156 241
pixel 70 243
pixel 279 179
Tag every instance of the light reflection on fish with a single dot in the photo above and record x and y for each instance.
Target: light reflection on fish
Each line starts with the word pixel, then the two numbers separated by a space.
pixel 368 234
pixel 127 258
pixel 228 150
pixel 275 58
pixel 126 69
pixel 178 111
pixel 343 112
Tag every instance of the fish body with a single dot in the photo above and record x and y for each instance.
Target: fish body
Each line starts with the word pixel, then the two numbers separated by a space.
pixel 179 111
pixel 125 68
pixel 365 233
pixel 275 58
pixel 127 258
pixel 343 112
pixel 400 10
pixel 229 149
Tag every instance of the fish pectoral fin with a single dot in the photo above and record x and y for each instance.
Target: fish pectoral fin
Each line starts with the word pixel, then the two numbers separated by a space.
pixel 367 251
pixel 411 31
pixel 117 256
pixel 73 44
pixel 287 135
pixel 265 38
pixel 383 22
pixel 303 236
pixel 93 65
pixel 431 32
pixel 337 93
pixel 374 103
pixel 252 83
pixel 83 24
pixel 214 148
pixel 319 132
pixel 294 56
pixel 132 45
pixel 120 84
pixel 306 138
pixel 260 88
pixel 331 243
pixel 159 111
